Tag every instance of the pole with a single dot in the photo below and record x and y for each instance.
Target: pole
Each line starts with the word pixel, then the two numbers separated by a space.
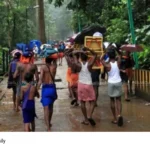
pixel 132 31
pixel 79 21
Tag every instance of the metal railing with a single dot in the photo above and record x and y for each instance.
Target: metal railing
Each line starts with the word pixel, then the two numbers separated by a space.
pixel 142 81
pixel 4 61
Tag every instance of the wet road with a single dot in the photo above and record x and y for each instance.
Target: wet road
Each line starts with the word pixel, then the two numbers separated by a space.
pixel 67 118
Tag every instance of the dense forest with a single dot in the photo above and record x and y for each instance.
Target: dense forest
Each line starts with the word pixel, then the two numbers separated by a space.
pixel 20 22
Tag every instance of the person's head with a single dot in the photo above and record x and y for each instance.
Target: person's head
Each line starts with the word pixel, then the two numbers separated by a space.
pixel 17 55
pixel 84 57
pixel 111 51
pixel 28 77
pixel 48 60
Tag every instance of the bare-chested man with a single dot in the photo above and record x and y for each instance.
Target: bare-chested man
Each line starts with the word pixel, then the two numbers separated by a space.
pixel 71 59
pixel 21 70
pixel 49 93
pixel 68 74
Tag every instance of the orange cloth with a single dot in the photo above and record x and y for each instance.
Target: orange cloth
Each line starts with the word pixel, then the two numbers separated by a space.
pixel 26 60
pixel 74 79
pixel 68 75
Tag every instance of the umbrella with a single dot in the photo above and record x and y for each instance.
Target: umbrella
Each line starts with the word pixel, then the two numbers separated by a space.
pixel 131 48
pixel 16 51
pixel 71 39
pixel 89 31
pixel 45 45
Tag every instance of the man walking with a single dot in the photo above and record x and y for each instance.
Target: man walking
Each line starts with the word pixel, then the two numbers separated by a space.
pixel 21 70
pixel 49 94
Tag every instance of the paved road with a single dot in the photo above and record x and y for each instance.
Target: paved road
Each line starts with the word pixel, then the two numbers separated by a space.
pixel 67 118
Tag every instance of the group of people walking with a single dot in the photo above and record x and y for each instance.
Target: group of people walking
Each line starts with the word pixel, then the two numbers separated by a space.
pixel 26 82
pixel 83 80
pixel 83 83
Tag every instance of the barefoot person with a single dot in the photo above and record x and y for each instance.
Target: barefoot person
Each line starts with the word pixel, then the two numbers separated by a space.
pixel 73 77
pixel 85 88
pixel 28 93
pixel 49 94
pixel 21 70
pixel 11 82
pixel 95 80
pixel 114 85
pixel 68 73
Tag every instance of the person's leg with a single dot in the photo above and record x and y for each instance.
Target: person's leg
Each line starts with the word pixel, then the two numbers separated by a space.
pixel 125 87
pixel 14 98
pixel 69 89
pixel 17 103
pixel 96 93
pixel 50 114
pixel 119 111
pixel 47 117
pixel 118 106
pixel 18 99
pixel 130 86
pixel 92 107
pixel 74 96
pixel 84 111
pixel 113 109
pixel 33 126
pixel 27 127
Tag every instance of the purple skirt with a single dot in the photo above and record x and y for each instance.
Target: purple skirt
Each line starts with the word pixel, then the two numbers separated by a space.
pixel 29 112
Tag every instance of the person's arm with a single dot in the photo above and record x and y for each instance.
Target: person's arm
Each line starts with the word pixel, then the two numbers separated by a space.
pixel 106 65
pixel 16 71
pixel 36 92
pixel 92 61
pixel 54 70
pixel 36 75
pixel 21 94
pixel 119 59
pixel 41 78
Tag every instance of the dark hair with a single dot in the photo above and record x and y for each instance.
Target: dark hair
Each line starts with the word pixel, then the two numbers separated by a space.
pixel 84 57
pixel 48 60
pixel 28 77
pixel 111 52
pixel 17 55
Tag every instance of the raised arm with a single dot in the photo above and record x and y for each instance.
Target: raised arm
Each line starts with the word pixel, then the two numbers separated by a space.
pixel 106 65
pixel 92 61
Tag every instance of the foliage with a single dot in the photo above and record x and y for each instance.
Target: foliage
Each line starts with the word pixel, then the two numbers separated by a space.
pixel 13 25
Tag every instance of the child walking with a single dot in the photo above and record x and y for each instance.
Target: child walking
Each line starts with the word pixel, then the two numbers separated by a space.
pixel 28 94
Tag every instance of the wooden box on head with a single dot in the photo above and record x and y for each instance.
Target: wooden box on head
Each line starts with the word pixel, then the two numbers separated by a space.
pixel 95 44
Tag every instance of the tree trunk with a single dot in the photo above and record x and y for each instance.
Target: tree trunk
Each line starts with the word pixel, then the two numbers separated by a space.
pixel 42 35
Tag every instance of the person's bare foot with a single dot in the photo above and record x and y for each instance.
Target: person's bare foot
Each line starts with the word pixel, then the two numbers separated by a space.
pixel 17 109
pixel 114 121
pixel 49 130
pixel 85 122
